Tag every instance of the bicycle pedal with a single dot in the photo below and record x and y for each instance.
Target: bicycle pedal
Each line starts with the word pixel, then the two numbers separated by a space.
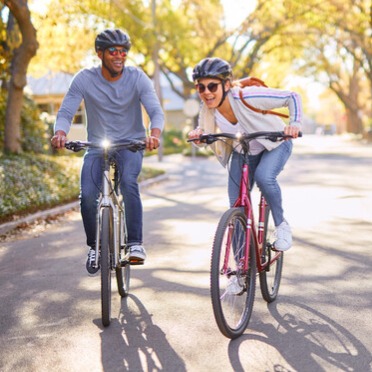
pixel 124 262
pixel 134 262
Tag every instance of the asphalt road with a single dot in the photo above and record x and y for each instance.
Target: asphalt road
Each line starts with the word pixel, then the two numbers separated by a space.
pixel 321 321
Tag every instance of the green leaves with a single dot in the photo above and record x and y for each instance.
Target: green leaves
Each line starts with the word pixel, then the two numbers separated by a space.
pixel 31 182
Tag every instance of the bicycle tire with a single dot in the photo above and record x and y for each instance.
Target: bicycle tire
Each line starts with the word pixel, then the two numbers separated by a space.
pixel 232 310
pixel 106 243
pixel 123 272
pixel 271 276
pixel 123 279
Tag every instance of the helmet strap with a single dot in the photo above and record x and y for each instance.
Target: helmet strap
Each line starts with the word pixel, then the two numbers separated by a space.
pixel 224 93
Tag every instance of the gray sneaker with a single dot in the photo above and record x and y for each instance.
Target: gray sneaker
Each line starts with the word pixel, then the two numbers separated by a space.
pixel 137 254
pixel 283 237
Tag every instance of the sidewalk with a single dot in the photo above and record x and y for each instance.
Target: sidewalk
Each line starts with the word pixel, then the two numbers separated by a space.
pixel 169 163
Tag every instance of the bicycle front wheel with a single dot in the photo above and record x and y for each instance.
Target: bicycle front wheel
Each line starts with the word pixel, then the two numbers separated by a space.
pixel 106 248
pixel 232 287
pixel 271 275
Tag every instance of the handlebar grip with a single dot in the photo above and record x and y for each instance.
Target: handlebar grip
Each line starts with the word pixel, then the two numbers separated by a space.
pixel 204 138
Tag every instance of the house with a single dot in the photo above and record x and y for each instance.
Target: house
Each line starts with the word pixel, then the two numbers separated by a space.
pixel 48 92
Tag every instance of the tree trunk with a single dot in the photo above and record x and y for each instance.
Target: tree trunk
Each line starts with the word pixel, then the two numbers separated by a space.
pixel 354 122
pixel 350 98
pixel 20 61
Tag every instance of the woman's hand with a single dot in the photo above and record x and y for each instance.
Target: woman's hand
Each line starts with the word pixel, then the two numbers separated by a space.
pixel 291 131
pixel 195 133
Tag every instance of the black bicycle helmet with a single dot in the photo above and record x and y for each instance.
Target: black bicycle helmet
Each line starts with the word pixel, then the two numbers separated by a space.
pixel 111 37
pixel 212 68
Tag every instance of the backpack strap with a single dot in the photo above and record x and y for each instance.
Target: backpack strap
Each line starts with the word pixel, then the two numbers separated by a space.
pixel 255 109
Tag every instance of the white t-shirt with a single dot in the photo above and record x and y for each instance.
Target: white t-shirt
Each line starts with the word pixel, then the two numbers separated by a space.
pixel 226 127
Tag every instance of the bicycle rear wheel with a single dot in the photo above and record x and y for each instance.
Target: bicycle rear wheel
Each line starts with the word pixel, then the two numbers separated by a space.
pixel 106 248
pixel 122 268
pixel 232 288
pixel 270 277
pixel 123 279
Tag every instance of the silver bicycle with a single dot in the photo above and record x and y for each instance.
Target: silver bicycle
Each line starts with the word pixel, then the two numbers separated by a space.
pixel 112 252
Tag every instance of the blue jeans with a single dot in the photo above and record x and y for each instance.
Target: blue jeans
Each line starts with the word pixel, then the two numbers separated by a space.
pixel 130 165
pixel 264 169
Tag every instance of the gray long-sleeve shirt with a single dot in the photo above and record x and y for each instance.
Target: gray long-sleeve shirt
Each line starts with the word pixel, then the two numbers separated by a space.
pixel 113 109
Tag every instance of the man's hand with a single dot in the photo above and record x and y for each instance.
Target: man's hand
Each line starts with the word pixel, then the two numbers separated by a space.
pixel 153 140
pixel 59 139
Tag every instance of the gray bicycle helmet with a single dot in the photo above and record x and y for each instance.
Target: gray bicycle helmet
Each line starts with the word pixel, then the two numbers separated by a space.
pixel 112 37
pixel 212 68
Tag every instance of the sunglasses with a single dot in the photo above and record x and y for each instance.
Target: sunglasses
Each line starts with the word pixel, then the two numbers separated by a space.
pixel 114 52
pixel 212 87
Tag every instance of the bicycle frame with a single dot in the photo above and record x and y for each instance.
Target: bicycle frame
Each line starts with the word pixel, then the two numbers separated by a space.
pixel 244 200
pixel 109 199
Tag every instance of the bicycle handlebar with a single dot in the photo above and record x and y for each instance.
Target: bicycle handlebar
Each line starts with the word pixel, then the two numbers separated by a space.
pixel 242 137
pixel 132 145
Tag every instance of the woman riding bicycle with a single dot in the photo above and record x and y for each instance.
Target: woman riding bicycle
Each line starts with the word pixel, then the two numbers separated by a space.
pixel 223 110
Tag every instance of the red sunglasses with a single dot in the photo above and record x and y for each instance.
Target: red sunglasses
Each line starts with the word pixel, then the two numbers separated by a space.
pixel 114 52
pixel 212 87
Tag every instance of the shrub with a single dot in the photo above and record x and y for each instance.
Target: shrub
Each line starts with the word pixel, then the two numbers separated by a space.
pixel 30 182
pixel 174 141
pixel 34 133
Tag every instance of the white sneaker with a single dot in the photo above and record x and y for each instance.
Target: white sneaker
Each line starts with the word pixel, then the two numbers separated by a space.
pixel 137 254
pixel 233 286
pixel 283 237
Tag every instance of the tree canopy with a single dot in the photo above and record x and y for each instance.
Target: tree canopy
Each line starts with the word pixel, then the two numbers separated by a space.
pixel 327 41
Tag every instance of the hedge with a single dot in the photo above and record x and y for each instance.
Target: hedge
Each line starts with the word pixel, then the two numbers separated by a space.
pixel 32 182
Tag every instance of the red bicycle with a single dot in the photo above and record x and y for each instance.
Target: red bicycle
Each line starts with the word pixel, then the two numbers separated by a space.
pixel 241 249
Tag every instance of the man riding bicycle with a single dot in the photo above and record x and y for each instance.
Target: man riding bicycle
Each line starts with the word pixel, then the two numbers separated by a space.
pixel 113 94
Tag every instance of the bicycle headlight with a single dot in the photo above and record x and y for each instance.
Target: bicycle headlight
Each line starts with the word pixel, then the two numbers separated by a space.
pixel 105 144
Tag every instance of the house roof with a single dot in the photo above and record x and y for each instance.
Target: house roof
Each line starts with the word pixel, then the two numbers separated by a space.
pixel 49 84
pixel 58 83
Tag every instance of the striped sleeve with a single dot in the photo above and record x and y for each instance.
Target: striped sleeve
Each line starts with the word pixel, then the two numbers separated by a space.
pixel 269 99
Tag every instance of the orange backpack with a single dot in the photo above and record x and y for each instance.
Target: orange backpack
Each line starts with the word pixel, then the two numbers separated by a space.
pixel 253 81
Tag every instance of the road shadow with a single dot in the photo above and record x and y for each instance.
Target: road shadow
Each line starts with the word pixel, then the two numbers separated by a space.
pixel 140 345
pixel 306 339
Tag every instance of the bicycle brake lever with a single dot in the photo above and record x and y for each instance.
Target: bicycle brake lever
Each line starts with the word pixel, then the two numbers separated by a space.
pixel 274 138
pixel 73 146
pixel 206 138
pixel 137 147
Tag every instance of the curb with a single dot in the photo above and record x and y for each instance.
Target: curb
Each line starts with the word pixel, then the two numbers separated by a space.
pixel 8 226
